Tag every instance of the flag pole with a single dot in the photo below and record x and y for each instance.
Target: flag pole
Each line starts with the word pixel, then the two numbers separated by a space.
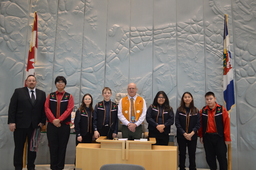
pixel 229 157
pixel 30 69
pixel 229 154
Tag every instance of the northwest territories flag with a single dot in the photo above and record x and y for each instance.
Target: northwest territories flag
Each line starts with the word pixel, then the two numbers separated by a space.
pixel 228 82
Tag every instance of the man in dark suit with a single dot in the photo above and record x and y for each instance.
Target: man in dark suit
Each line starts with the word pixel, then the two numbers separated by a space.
pixel 26 113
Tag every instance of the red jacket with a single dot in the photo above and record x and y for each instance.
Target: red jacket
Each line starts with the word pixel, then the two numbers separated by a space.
pixel 211 122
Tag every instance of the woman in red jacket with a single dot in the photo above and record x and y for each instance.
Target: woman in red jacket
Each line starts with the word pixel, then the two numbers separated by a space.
pixel 58 108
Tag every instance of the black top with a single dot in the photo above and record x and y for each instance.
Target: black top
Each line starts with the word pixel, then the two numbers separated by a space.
pixel 156 116
pixel 83 122
pixel 160 120
pixel 105 113
pixel 186 123
pixel 107 107
pixel 63 105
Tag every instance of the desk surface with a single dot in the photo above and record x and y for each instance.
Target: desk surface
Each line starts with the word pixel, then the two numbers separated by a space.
pixel 92 156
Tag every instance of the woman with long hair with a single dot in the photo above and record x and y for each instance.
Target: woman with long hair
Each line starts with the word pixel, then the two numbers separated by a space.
pixel 83 120
pixel 187 121
pixel 160 117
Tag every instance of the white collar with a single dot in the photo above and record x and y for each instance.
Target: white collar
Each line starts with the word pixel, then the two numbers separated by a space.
pixel 34 89
pixel 134 97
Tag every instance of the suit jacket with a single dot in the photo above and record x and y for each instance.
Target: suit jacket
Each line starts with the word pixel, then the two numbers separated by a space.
pixel 21 110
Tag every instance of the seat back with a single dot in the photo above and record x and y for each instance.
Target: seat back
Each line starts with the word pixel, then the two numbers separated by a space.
pixel 121 167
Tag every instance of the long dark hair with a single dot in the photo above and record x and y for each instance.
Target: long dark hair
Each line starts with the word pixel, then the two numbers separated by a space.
pixel 83 106
pixel 192 107
pixel 166 105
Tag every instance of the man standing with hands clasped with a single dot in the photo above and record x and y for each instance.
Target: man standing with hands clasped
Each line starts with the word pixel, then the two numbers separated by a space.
pixel 26 113
pixel 132 112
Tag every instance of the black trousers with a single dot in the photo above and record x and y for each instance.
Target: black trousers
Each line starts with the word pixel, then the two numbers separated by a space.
pixel 58 139
pixel 20 135
pixel 183 145
pixel 215 146
pixel 85 138
pixel 161 138
pixel 106 131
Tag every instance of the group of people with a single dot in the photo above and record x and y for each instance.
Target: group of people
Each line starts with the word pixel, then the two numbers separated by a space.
pixel 29 108
pixel 211 124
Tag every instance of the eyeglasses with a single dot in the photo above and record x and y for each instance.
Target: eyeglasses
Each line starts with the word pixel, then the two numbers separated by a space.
pixel 131 88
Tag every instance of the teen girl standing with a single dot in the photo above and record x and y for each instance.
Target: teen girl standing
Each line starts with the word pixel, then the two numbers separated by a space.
pixel 83 120
pixel 187 121
pixel 160 117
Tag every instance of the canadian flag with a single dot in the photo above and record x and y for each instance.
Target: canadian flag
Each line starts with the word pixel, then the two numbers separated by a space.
pixel 32 54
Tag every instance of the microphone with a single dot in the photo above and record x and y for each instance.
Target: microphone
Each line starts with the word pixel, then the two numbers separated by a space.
pixel 110 131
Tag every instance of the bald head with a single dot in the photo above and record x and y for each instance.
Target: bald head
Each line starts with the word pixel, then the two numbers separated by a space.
pixel 132 89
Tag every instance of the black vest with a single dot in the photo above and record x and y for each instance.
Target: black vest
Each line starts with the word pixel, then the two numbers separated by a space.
pixel 192 123
pixel 218 120
pixel 83 122
pixel 165 117
pixel 101 114
pixel 63 104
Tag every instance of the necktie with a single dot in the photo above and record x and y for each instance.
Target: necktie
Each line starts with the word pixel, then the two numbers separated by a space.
pixel 33 99
pixel 132 110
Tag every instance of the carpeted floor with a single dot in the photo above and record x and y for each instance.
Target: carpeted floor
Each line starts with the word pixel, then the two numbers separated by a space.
pixel 70 167
pixel 47 167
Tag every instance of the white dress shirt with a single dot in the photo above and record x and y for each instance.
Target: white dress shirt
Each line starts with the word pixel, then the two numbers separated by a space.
pixel 29 91
pixel 124 120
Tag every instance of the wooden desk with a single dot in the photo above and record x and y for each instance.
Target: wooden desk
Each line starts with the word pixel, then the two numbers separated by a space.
pixel 93 156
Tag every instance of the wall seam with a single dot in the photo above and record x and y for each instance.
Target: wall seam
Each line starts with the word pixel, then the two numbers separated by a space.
pixel 82 57
pixel 205 67
pixel 106 45
pixel 129 78
pixel 54 56
pixel 176 25
pixel 26 51
pixel 234 78
pixel 153 46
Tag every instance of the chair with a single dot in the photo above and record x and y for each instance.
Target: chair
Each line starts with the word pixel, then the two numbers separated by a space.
pixel 121 167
